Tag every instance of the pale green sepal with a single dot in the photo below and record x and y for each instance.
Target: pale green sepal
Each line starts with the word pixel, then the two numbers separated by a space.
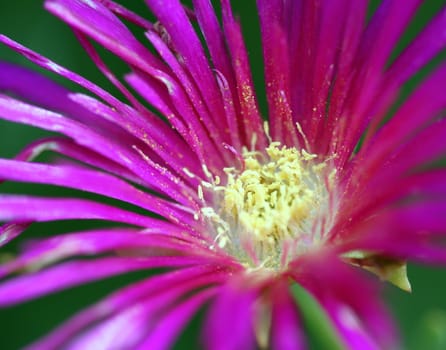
pixel 387 269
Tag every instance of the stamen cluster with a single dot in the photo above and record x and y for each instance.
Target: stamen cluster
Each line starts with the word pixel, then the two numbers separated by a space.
pixel 270 207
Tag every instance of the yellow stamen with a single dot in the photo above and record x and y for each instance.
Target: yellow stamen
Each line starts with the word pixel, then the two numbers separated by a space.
pixel 275 199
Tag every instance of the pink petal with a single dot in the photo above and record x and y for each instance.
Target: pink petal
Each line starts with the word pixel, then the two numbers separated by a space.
pixel 95 20
pixel 10 231
pixel 168 327
pixel 383 31
pixel 69 274
pixel 70 149
pixel 232 306
pixel 126 14
pixel 27 208
pixel 91 181
pixel 251 121
pixel 14 110
pixel 145 318
pixel 185 41
pixel 286 330
pixel 129 241
pixel 275 53
pixel 336 288
pixel 170 285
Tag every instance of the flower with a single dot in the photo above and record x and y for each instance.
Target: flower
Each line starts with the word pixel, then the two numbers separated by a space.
pixel 233 208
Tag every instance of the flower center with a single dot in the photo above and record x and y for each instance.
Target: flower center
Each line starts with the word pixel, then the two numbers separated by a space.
pixel 270 210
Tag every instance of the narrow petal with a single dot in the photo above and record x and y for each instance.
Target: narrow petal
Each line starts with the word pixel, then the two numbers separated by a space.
pixel 145 317
pixel 232 306
pixel 122 331
pixel 10 231
pixel 215 40
pixel 223 70
pixel 410 117
pixel 34 88
pixel 358 316
pixel 23 82
pixel 102 66
pixel 383 31
pixel 251 120
pixel 145 290
pixel 69 148
pixel 427 184
pixel 350 327
pixel 27 208
pixel 275 55
pixel 302 24
pixel 98 22
pixel 168 327
pixel 230 112
pixel 423 48
pixel 355 19
pixel 328 58
pixel 89 243
pixel 127 14
pixel 286 330
pixel 185 41
pixel 170 149
pixel 381 35
pixel 16 111
pixel 86 180
pixel 177 108
pixel 202 119
pixel 411 155
pixel 73 273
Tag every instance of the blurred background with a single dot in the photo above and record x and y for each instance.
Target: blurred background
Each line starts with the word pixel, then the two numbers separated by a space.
pixel 421 315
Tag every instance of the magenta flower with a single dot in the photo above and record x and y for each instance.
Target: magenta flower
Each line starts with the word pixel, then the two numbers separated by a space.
pixel 235 210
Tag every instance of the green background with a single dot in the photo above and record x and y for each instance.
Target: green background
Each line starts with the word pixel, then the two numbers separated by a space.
pixel 421 315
